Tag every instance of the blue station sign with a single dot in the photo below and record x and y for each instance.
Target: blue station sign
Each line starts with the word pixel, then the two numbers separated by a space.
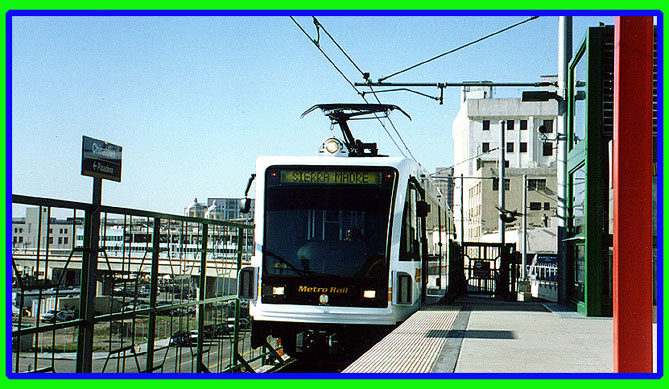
pixel 100 159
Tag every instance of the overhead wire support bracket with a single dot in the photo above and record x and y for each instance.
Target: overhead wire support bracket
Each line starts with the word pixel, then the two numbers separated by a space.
pixel 440 99
pixel 538 84
pixel 403 86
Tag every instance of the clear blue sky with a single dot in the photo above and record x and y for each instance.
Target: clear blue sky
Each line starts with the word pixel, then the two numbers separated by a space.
pixel 194 100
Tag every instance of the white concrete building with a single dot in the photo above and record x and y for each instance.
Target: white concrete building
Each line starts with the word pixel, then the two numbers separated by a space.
pixel 54 233
pixel 530 149
pixel 219 208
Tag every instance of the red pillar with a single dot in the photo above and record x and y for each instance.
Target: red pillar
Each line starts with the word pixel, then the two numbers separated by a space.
pixel 632 201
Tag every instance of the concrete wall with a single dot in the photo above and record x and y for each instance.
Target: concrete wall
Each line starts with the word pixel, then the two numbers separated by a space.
pixel 477 105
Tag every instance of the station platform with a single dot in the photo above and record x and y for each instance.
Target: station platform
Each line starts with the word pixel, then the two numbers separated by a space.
pixel 482 335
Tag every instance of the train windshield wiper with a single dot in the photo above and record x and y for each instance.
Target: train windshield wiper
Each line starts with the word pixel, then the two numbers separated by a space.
pixel 287 263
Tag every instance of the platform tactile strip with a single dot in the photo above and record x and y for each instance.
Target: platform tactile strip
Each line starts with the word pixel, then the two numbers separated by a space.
pixel 413 347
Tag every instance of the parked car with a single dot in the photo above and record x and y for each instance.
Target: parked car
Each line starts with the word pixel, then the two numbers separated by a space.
pixel 145 291
pixel 183 338
pixel 135 307
pixel 167 312
pixel 183 311
pixel 215 331
pixel 125 290
pixel 65 315
pixel 244 324
pixel 49 316
pixel 185 293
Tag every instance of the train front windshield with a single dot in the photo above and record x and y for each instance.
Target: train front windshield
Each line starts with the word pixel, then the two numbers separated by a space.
pixel 327 222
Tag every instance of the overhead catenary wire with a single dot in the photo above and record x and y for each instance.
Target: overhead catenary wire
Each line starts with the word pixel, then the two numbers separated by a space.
pixel 463 161
pixel 458 48
pixel 394 128
pixel 364 75
pixel 318 46
pixel 318 24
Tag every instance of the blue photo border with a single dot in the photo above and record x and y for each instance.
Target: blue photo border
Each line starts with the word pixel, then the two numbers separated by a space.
pixel 660 190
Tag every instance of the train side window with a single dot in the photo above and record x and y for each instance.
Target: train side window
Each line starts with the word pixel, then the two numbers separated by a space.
pixel 409 241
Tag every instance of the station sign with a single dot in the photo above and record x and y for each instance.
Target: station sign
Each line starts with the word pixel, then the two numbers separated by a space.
pixel 100 159
pixel 482 269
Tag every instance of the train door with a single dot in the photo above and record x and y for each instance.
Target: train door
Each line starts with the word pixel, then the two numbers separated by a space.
pixel 412 234
pixel 436 269
pixel 414 242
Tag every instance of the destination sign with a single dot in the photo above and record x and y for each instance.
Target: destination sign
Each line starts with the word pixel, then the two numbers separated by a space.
pixel 330 177
pixel 100 159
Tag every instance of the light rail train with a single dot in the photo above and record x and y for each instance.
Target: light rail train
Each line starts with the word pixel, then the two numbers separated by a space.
pixel 347 243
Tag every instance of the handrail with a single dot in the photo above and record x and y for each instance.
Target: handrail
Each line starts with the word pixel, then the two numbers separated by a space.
pixel 56 203
pixel 129 326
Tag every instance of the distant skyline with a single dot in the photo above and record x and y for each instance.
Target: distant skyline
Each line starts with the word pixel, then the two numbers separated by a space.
pixel 194 100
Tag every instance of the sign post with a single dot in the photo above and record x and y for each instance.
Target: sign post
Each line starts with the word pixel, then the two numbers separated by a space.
pixel 100 160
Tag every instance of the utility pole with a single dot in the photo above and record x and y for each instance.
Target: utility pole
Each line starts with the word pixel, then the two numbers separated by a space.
pixel 564 55
pixel 462 210
pixel 523 274
pixel 501 185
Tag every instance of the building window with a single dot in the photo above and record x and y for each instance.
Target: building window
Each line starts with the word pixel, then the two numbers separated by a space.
pixel 547 206
pixel 548 149
pixel 486 125
pixel 65 240
pixel 60 240
pixel 523 124
pixel 485 147
pixel 495 184
pixel 509 147
pixel 535 206
pixel 547 127
pixel 20 239
pixel 523 147
pixel 506 164
pixel 536 184
pixel 509 124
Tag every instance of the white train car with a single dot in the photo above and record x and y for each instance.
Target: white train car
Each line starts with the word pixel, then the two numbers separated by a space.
pixel 344 245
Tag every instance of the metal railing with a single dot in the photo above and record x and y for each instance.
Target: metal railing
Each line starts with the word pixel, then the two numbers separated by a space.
pixel 154 293
pixel 544 281
pixel 543 272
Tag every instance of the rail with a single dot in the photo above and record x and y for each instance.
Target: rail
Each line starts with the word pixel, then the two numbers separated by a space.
pixel 155 293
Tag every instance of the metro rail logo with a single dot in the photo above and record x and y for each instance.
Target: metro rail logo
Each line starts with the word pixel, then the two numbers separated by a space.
pixel 317 289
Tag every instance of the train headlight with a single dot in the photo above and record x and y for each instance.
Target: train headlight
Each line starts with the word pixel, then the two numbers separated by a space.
pixel 332 146
pixel 278 290
pixel 369 294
